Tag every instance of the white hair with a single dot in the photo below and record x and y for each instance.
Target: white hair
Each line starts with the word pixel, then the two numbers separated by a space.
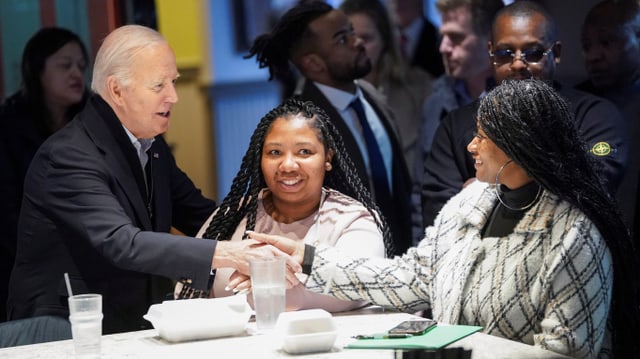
pixel 117 52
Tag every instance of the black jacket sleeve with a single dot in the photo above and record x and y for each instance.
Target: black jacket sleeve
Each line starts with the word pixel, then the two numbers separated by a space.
pixel 449 164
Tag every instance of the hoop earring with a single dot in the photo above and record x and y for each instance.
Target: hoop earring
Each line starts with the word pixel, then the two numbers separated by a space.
pixel 500 171
pixel 499 192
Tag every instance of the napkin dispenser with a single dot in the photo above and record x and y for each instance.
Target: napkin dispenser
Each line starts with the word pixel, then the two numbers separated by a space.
pixel 192 319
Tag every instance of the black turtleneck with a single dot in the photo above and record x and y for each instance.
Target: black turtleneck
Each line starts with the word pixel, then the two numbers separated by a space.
pixel 503 220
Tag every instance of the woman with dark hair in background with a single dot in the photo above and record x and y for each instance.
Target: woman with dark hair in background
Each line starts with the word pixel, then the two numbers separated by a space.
pixel 534 251
pixel 285 186
pixel 53 90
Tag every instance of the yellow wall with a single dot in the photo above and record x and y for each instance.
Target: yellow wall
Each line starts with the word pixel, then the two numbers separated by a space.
pixel 190 132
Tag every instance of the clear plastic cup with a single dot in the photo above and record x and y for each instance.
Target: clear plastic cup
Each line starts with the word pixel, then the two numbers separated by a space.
pixel 268 286
pixel 85 315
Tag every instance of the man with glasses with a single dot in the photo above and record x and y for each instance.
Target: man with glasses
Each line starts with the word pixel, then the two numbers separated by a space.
pixel 523 45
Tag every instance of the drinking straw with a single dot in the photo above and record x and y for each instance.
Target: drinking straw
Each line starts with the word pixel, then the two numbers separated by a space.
pixel 66 280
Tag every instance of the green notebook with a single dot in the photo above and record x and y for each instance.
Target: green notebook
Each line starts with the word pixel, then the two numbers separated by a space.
pixel 436 338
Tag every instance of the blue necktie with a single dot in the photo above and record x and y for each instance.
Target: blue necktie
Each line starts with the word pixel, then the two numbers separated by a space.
pixel 376 163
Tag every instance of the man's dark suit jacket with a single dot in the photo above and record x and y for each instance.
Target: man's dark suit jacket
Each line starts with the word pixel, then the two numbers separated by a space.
pixel 426 55
pixel 450 164
pixel 398 215
pixel 85 212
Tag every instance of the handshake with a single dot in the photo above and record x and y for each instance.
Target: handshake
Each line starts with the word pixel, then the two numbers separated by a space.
pixel 238 255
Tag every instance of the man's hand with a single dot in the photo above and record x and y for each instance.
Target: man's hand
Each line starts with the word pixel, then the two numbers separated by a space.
pixel 289 246
pixel 236 254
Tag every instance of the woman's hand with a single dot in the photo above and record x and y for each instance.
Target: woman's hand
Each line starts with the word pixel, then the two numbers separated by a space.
pixel 289 246
pixel 241 283
pixel 237 254
pixel 293 250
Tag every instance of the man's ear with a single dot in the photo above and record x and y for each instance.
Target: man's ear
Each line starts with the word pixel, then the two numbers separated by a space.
pixel 557 51
pixel 114 90
pixel 312 63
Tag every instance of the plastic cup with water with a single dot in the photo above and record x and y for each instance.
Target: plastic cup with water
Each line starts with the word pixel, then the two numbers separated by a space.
pixel 268 286
pixel 85 314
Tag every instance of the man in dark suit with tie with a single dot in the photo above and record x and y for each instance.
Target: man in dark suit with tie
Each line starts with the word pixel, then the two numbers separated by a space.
pixel 418 38
pixel 98 207
pixel 320 41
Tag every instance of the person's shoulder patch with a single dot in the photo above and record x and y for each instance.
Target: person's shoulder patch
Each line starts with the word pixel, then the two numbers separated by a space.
pixel 601 149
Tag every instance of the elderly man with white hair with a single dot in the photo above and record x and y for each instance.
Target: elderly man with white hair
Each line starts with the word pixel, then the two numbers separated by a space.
pixel 102 194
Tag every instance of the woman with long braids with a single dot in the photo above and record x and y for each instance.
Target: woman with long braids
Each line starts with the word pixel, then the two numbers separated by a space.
pixel 534 251
pixel 284 187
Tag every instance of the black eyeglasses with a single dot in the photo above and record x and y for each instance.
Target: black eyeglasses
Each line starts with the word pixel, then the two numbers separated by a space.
pixel 530 56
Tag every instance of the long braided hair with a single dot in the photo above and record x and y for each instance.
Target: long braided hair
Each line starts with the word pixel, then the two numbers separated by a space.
pixel 532 124
pixel 288 36
pixel 242 199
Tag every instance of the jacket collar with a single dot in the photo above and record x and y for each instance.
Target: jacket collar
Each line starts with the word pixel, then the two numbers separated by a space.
pixel 107 133
pixel 477 209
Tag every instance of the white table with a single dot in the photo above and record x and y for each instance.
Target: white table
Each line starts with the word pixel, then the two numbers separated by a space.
pixel 147 344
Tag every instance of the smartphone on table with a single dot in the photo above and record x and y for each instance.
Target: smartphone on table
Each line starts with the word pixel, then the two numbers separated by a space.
pixel 413 327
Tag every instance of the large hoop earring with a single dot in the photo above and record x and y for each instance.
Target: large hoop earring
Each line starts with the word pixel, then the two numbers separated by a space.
pixel 500 171
pixel 499 192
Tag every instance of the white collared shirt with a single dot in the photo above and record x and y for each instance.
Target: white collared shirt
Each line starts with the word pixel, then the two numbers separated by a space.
pixel 341 100
pixel 137 144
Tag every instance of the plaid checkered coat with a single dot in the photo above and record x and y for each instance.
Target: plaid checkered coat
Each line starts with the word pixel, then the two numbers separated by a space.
pixel 547 284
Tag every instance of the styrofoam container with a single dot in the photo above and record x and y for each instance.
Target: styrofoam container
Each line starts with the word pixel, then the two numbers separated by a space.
pixel 191 319
pixel 306 331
